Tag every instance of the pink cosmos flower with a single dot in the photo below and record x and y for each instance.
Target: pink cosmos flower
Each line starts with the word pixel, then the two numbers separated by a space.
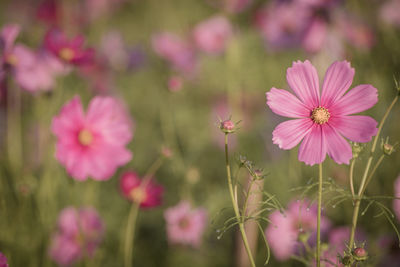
pixel 185 225
pixel 175 50
pixel 284 230
pixel 79 234
pixel 322 121
pixel 148 195
pixel 69 51
pixel 212 35
pixel 396 202
pixel 49 12
pixel 92 144
pixel 3 260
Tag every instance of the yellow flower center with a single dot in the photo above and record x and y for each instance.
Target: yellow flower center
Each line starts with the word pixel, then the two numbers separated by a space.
pixel 85 137
pixel 12 60
pixel 320 115
pixel 66 53
pixel 138 194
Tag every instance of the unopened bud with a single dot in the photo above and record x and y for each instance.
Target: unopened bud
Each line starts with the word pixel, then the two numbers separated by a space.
pixel 360 254
pixel 356 148
pixel 387 148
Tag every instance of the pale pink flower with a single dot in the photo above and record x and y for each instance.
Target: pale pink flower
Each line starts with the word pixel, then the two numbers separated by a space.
pixel 33 71
pixel 315 36
pixel 185 225
pixel 92 144
pixel 79 234
pixel 284 229
pixel 175 50
pixel 322 121
pixel 396 202
pixel 299 218
pixel 389 12
pixel 212 35
pixel 148 195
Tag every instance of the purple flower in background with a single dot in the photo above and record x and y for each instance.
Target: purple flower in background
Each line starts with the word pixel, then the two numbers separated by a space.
pixel 337 240
pixel 284 230
pixel 3 260
pixel 212 35
pixel 176 51
pixel 282 24
pixel 185 225
pixel 78 235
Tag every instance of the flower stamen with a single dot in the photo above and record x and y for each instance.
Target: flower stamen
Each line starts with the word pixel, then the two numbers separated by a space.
pixel 85 137
pixel 320 115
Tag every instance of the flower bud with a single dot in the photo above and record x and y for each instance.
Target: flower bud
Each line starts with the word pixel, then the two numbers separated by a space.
pixel 360 254
pixel 227 126
pixel 356 148
pixel 387 148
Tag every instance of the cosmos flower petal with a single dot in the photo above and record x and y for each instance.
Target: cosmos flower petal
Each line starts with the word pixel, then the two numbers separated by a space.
pixel 337 81
pixel 355 128
pixel 71 115
pixel 8 35
pixel 289 133
pixel 302 78
pixel 314 146
pixel 358 99
pixel 286 104
pixel 337 147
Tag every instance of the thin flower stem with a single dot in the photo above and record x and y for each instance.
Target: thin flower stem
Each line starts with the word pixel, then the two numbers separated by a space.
pixel 130 233
pixel 373 172
pixel 351 178
pixel 363 185
pixel 133 213
pixel 319 217
pixel 235 204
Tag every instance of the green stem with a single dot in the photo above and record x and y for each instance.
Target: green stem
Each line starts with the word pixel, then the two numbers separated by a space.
pixel 363 184
pixel 319 217
pixel 130 234
pixel 14 132
pixel 235 204
pixel 351 178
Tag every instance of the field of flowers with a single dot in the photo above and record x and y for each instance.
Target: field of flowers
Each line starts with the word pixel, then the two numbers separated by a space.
pixel 199 133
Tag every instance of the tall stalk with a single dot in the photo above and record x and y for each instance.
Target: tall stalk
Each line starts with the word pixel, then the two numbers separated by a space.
pixel 364 179
pixel 319 216
pixel 235 204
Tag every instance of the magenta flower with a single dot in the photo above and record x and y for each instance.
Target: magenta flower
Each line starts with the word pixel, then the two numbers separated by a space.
pixel 185 225
pixel 3 260
pixel 212 35
pixel 69 51
pixel 175 50
pixel 79 234
pixel 92 144
pixel 323 121
pixel 396 202
pixel 284 230
pixel 148 195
